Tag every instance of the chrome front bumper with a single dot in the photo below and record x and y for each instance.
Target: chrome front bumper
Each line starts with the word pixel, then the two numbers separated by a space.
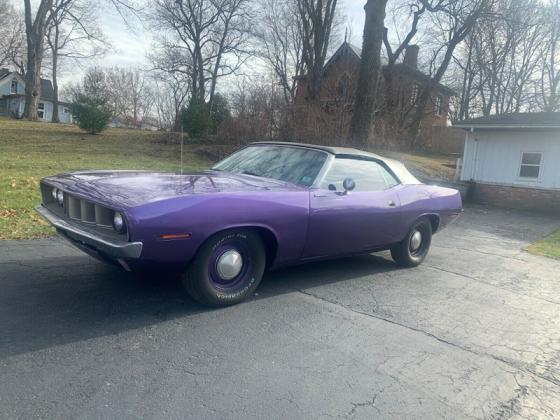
pixel 81 237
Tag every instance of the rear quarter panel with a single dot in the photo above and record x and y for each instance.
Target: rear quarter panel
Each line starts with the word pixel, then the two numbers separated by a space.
pixel 428 200
pixel 284 214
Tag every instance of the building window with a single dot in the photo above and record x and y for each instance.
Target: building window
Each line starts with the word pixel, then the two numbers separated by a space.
pixel 531 163
pixel 438 105
pixel 65 111
pixel 41 111
pixel 13 88
pixel 414 94
pixel 343 87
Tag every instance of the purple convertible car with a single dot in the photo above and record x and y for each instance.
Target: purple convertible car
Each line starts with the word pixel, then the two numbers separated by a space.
pixel 266 206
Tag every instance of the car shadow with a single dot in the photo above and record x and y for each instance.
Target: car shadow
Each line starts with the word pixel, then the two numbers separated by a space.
pixel 74 298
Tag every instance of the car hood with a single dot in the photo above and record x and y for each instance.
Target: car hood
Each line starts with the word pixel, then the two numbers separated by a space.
pixel 123 189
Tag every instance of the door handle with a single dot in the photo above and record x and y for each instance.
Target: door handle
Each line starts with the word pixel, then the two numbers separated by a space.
pixel 391 203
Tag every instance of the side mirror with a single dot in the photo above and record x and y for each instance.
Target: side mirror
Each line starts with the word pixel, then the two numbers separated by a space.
pixel 348 184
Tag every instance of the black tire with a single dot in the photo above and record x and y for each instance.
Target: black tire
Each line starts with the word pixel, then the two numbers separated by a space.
pixel 209 281
pixel 407 253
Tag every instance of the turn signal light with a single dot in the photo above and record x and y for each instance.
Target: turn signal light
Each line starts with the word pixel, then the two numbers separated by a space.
pixel 176 236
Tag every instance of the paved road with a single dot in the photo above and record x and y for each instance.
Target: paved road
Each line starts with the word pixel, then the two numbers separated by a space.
pixel 473 333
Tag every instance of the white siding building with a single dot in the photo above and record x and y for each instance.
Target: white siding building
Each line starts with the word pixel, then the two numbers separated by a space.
pixel 513 160
pixel 12 98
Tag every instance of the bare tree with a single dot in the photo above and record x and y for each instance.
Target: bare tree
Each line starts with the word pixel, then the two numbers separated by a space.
pixel 129 94
pixel 396 105
pixel 170 92
pixel 550 65
pixel 172 75
pixel 72 34
pixel 35 30
pixel 362 126
pixel 206 38
pixel 465 79
pixel 12 36
pixel 317 18
pixel 454 20
pixel 505 47
pixel 279 36
pixel 499 62
pixel 258 108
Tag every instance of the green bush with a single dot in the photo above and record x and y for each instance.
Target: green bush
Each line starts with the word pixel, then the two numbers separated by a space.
pixel 92 112
pixel 220 111
pixel 196 118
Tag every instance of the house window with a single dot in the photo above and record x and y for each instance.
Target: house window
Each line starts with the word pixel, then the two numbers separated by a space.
pixel 438 105
pixel 65 111
pixel 414 93
pixel 41 110
pixel 13 88
pixel 343 87
pixel 531 163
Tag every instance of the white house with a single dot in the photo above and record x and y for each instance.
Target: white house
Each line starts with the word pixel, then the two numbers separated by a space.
pixel 12 98
pixel 513 160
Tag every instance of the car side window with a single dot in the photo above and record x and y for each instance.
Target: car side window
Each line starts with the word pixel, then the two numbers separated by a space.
pixel 368 175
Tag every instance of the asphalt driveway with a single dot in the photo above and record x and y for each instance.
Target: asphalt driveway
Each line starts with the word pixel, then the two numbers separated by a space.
pixel 474 332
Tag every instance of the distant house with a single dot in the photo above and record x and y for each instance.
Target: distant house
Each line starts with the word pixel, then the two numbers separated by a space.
pixel 12 98
pixel 513 159
pixel 340 78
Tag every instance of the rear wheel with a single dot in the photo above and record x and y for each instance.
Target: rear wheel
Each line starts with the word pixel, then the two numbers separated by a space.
pixel 227 269
pixel 412 250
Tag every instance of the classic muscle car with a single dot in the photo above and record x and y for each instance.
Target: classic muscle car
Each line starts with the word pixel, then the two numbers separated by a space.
pixel 266 206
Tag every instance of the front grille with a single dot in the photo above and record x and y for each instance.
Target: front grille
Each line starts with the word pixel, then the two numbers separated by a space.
pixel 83 212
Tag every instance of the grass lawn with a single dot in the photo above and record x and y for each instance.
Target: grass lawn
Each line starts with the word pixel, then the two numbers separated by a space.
pixel 548 246
pixel 32 150
pixel 430 165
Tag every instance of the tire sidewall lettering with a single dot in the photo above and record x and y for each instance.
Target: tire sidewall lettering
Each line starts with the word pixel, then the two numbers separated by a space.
pixel 240 293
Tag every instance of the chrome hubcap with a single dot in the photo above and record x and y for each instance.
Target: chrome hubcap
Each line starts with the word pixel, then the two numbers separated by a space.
pixel 415 240
pixel 229 264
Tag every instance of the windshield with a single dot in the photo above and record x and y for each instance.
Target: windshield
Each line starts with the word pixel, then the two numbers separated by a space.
pixel 291 164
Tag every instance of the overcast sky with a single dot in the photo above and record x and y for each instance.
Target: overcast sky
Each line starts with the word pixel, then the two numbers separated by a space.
pixel 130 48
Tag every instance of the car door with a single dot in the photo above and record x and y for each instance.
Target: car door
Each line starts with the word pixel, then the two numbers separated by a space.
pixel 344 222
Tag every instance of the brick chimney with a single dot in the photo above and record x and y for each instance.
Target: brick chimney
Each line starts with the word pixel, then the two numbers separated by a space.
pixel 411 56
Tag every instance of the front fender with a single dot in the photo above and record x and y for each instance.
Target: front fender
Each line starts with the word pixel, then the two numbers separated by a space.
pixel 284 214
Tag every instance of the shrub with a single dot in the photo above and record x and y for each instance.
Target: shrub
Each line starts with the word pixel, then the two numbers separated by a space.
pixel 92 112
pixel 220 111
pixel 196 118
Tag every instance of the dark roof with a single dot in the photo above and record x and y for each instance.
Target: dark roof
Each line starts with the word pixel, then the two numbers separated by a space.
pixel 47 91
pixel 418 75
pixel 517 120
pixel 4 73
pixel 357 53
pixel 401 67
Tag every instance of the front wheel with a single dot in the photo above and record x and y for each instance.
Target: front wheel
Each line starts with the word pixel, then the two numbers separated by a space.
pixel 227 269
pixel 412 250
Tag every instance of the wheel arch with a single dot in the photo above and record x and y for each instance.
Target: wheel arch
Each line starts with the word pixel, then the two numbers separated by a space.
pixel 434 219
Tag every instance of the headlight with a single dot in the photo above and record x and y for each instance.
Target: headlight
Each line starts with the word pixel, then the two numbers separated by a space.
pixel 60 197
pixel 53 193
pixel 118 222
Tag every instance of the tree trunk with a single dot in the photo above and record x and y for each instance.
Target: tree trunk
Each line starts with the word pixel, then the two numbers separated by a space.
pixel 55 116
pixel 362 126
pixel 35 32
